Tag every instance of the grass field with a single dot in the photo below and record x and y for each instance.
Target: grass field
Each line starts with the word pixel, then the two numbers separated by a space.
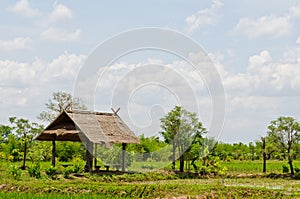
pixel 154 185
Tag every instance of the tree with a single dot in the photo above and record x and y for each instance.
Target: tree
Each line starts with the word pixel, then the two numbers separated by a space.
pixel 180 127
pixel 60 101
pixel 5 131
pixel 285 132
pixel 25 131
pixel 267 148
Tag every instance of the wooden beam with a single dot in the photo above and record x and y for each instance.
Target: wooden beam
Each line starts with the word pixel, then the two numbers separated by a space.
pixel 53 149
pixel 116 111
pixel 123 156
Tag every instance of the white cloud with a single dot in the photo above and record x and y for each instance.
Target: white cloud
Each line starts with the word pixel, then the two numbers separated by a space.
pixel 59 35
pixel 294 11
pixel 265 26
pixel 18 74
pixel 15 44
pixel 204 17
pixel 60 13
pixel 23 8
pixel 65 66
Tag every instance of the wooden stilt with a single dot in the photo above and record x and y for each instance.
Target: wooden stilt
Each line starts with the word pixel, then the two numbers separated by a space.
pixel 123 156
pixel 53 150
pixel 89 156
pixel 95 158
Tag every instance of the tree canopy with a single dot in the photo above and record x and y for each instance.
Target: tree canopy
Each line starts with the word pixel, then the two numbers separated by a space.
pixel 60 101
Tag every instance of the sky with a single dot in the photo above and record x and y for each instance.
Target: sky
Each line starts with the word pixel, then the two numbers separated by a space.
pixel 254 45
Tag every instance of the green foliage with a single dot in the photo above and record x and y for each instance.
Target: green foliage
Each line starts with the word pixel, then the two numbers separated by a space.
pixel 65 151
pixel 51 171
pixel 181 128
pixel 68 171
pixel 148 148
pixel 78 165
pixel 285 169
pixel 285 133
pixel 113 155
pixel 25 132
pixel 15 172
pixel 35 170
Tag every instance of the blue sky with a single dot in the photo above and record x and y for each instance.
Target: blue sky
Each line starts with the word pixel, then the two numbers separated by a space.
pixel 255 45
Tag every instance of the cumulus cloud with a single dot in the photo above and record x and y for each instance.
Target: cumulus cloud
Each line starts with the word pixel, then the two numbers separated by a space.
pixel 55 34
pixel 204 17
pixel 23 8
pixel 25 74
pixel 270 26
pixel 15 44
pixel 60 13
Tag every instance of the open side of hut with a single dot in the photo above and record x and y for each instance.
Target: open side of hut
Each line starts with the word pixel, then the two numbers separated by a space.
pixel 90 128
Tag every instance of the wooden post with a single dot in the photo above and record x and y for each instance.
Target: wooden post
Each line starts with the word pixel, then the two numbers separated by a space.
pixel 95 158
pixel 53 150
pixel 89 156
pixel 123 156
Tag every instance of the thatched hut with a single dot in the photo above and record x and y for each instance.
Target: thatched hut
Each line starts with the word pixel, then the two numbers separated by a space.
pixel 90 128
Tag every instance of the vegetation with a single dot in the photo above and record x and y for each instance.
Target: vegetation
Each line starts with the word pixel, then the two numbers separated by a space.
pixel 285 133
pixel 184 163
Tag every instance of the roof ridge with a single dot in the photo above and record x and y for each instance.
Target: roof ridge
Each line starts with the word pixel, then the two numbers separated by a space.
pixel 90 112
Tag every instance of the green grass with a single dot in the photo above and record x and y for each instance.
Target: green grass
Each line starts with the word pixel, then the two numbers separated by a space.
pixel 153 185
pixel 252 167
pixel 8 195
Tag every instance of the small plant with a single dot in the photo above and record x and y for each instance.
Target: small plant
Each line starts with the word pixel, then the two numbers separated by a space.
pixel 35 170
pixel 285 169
pixel 68 171
pixel 15 172
pixel 51 171
pixel 78 165
pixel 297 170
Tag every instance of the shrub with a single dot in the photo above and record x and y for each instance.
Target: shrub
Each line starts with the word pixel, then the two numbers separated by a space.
pixel 78 165
pixel 15 172
pixel 297 176
pixel 297 170
pixel 35 170
pixel 51 171
pixel 68 171
pixel 285 169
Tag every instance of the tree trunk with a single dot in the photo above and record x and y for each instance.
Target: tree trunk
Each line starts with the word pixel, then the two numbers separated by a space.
pixel 181 165
pixel 173 156
pixel 263 140
pixel 24 156
pixel 290 162
pixel 264 162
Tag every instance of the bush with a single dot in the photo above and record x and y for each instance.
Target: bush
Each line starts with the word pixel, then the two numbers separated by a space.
pixel 297 176
pixel 15 172
pixel 297 170
pixel 35 170
pixel 51 171
pixel 285 169
pixel 68 171
pixel 78 165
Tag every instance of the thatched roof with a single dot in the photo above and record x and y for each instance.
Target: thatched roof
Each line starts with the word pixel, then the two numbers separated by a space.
pixel 97 127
